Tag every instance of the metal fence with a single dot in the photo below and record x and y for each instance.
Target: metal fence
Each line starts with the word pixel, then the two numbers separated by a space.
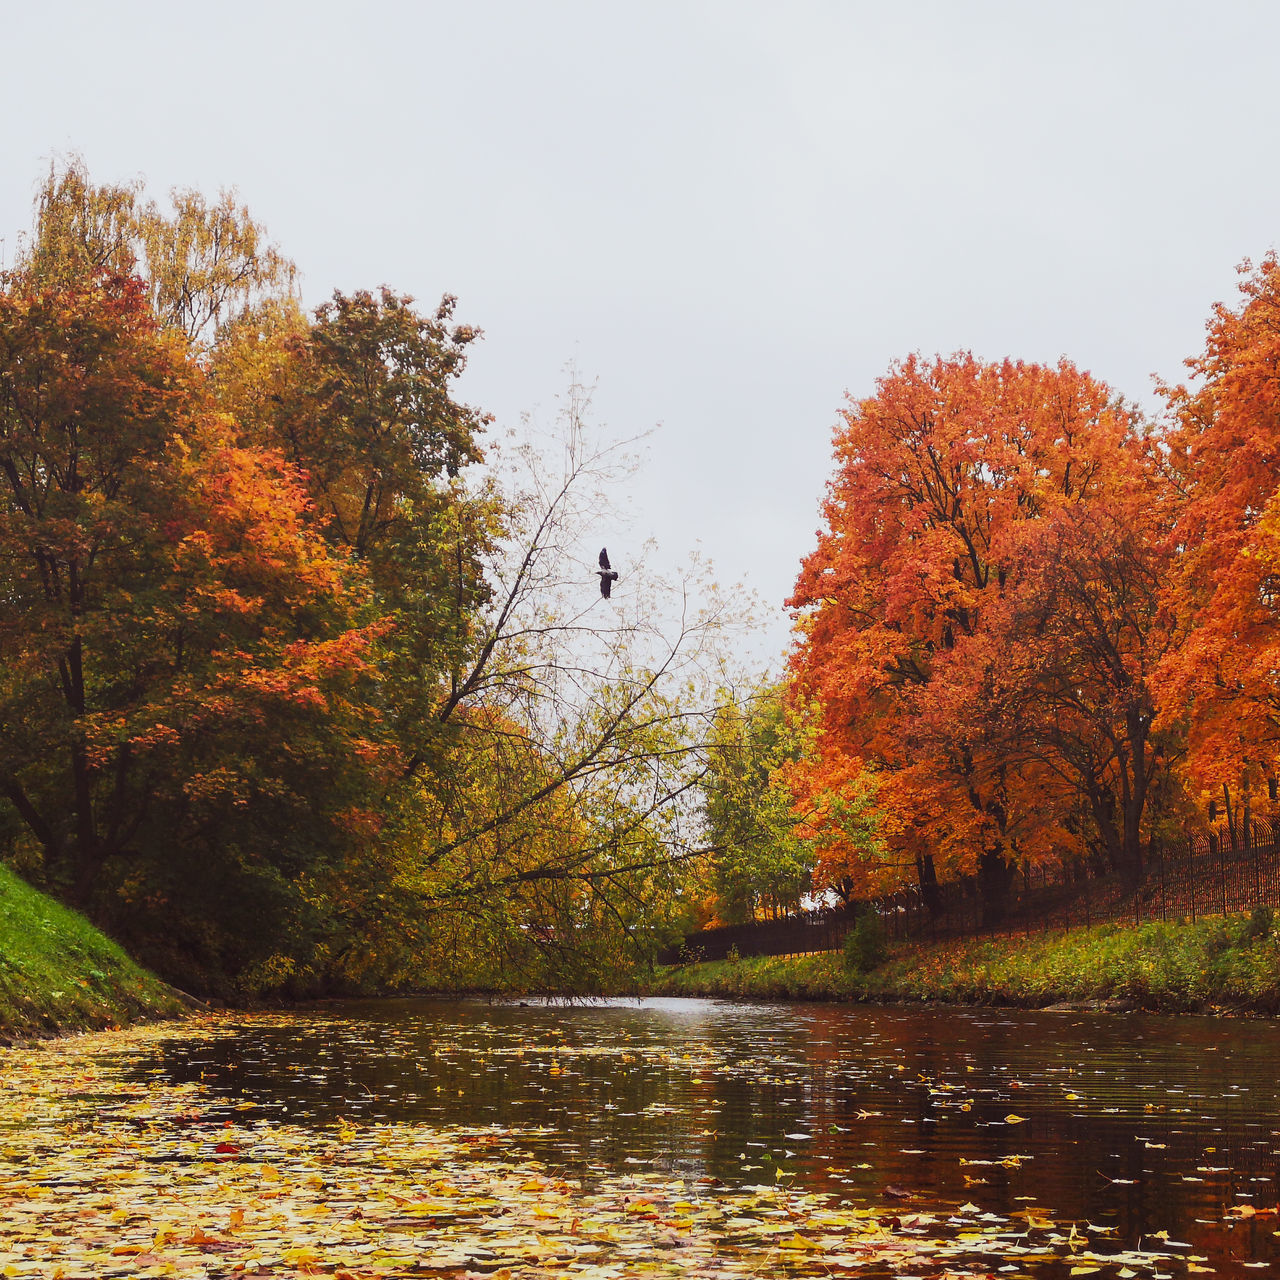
pixel 1231 868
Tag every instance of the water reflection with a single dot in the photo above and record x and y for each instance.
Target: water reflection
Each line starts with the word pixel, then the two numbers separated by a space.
pixel 1130 1125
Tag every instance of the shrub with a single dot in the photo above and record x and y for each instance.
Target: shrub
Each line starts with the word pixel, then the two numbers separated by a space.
pixel 1260 923
pixel 866 945
pixel 1217 940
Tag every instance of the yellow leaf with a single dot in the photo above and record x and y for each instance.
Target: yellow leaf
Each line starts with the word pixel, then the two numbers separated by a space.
pixel 798 1242
pixel 1012 1119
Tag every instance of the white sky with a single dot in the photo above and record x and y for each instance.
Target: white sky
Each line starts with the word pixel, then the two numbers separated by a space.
pixel 729 214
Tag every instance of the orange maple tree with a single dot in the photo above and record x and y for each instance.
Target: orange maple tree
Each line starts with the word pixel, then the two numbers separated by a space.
pixel 964 626
pixel 1225 452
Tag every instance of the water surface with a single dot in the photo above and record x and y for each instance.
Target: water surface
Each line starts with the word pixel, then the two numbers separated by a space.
pixel 1128 1126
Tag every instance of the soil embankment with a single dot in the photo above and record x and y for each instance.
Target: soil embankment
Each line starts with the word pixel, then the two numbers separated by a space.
pixel 59 974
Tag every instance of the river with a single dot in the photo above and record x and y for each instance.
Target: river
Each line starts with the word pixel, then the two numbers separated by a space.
pixel 1133 1128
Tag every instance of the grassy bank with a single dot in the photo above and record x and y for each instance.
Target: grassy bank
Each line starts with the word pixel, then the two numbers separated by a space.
pixel 58 973
pixel 1230 963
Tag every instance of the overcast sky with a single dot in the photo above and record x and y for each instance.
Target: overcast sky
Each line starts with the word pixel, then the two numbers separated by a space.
pixel 729 214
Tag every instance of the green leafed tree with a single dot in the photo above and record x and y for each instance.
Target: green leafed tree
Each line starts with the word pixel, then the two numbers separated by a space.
pixel 359 400
pixel 762 864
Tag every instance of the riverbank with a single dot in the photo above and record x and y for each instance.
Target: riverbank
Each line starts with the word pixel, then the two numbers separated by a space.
pixel 1218 964
pixel 59 974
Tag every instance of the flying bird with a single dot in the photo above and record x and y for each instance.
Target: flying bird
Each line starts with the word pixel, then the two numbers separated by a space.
pixel 608 575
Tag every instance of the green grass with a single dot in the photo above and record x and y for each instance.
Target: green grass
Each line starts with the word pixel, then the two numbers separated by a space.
pixel 1230 963
pixel 58 973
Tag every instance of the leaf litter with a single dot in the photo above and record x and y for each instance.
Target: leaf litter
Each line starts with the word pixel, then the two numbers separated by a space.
pixel 105 1174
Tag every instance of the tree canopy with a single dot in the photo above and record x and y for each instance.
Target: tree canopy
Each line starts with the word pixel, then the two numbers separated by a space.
pixel 298 691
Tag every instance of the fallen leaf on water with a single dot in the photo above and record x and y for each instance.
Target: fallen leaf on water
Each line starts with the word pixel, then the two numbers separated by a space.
pixel 799 1242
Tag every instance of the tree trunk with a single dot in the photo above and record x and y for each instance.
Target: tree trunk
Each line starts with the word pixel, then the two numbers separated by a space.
pixel 1111 834
pixel 928 878
pixel 1231 818
pixel 1134 773
pixel 995 875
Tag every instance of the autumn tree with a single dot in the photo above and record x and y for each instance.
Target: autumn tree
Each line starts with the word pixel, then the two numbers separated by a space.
pixel 169 616
pixel 1225 456
pixel 916 612
pixel 604 707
